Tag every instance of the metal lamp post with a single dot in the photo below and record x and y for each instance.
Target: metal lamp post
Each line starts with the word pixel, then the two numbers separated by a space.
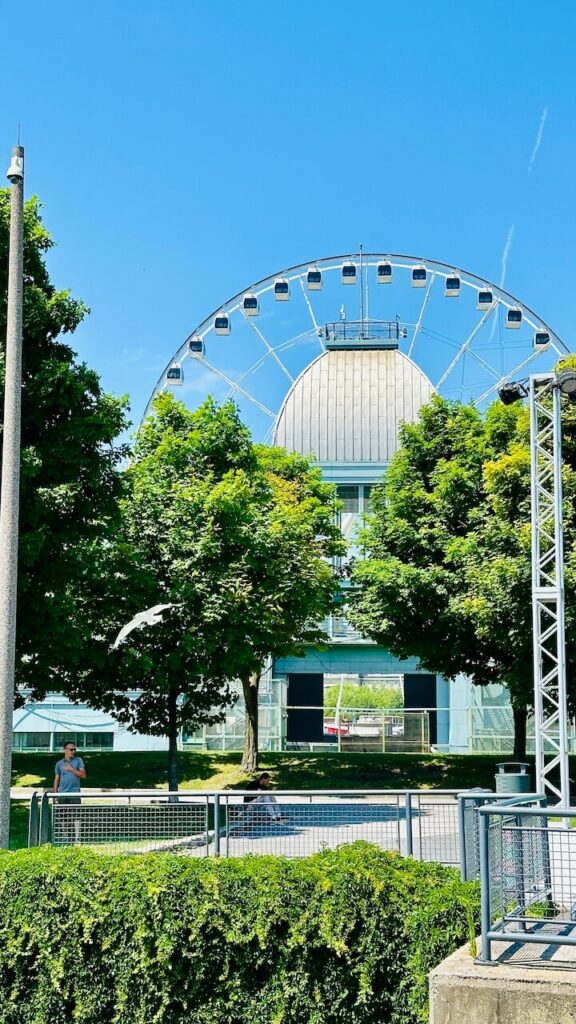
pixel 10 483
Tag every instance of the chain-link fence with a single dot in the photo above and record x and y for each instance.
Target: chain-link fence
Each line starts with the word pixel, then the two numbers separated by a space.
pixel 290 823
pixel 129 822
pixel 527 857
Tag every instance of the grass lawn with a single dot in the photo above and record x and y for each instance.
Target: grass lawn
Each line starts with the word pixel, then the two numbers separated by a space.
pixel 218 770
pixel 18 824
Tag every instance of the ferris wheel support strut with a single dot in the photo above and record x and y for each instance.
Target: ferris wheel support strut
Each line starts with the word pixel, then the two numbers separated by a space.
pixel 315 323
pixel 236 387
pixel 465 346
pixel 421 317
pixel 508 376
pixel 269 348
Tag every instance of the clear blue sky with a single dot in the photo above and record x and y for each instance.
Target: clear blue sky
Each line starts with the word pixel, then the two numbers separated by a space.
pixel 183 149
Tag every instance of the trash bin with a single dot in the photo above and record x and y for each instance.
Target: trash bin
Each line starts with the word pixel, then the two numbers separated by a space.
pixel 512 777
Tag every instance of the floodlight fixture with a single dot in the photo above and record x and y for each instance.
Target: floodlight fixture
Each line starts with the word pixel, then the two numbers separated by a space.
pixel 512 391
pixel 567 384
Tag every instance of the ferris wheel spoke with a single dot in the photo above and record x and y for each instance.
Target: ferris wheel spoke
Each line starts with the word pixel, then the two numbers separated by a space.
pixel 562 352
pixel 489 369
pixel 252 369
pixel 269 348
pixel 465 346
pixel 421 316
pixel 235 386
pixel 268 435
pixel 507 376
pixel 260 362
pixel 284 345
pixel 437 336
pixel 277 348
pixel 317 328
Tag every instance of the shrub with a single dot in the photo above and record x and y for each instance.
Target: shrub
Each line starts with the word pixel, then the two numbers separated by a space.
pixel 346 935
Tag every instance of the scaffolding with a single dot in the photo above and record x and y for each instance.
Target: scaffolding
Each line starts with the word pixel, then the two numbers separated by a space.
pixel 548 588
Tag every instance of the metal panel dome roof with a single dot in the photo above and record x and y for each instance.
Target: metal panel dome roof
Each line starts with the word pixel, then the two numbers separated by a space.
pixel 347 405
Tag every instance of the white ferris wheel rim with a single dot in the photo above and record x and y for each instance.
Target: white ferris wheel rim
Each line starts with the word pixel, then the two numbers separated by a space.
pixel 328 264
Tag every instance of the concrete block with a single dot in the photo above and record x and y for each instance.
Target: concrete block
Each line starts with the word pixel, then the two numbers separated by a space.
pixel 529 985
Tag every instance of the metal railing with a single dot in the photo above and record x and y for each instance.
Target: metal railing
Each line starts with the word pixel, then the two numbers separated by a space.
pixel 527 858
pixel 293 823
pixel 364 330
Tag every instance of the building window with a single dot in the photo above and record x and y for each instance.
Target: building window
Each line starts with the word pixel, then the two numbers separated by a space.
pixel 85 740
pixel 349 497
pixel 31 741
pixel 44 742
pixel 367 496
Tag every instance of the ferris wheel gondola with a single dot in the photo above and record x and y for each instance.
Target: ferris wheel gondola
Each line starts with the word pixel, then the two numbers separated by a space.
pixel 384 272
pixel 257 342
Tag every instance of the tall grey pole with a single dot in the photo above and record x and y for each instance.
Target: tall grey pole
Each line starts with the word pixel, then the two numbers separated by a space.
pixel 10 483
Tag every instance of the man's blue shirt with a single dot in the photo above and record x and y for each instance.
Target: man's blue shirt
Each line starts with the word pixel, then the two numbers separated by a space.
pixel 69 783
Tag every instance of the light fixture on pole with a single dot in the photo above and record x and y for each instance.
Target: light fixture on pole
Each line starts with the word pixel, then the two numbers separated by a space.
pixel 10 483
pixel 567 384
pixel 548 611
pixel 512 391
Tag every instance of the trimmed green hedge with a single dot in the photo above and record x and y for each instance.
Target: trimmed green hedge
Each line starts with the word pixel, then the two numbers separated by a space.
pixel 344 936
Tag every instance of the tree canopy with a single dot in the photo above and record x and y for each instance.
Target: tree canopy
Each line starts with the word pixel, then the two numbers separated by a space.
pixel 235 537
pixel 448 572
pixel 70 480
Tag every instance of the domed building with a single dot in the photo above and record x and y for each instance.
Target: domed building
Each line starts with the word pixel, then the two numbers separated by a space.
pixel 345 410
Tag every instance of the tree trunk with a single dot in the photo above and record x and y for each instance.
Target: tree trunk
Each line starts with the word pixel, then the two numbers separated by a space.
pixel 250 691
pixel 172 741
pixel 520 716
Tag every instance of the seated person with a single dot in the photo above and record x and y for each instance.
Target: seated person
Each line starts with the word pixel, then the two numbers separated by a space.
pixel 264 800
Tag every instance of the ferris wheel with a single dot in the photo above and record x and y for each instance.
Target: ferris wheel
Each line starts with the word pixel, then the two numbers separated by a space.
pixel 466 334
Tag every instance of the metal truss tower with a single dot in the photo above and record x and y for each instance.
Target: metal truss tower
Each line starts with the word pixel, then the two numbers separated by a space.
pixel 550 706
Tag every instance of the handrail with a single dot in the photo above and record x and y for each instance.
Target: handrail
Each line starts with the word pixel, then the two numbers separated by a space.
pixel 504 806
pixel 165 793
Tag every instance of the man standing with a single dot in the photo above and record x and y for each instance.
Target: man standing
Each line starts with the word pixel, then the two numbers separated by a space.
pixel 67 774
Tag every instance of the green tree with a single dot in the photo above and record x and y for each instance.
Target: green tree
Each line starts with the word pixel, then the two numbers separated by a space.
pixel 447 577
pixel 236 538
pixel 70 478
pixel 290 581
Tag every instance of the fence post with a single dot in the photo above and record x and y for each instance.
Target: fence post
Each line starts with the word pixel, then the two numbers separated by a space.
pixel 216 825
pixel 44 828
pixel 485 916
pixel 518 856
pixel 33 821
pixel 546 856
pixel 462 836
pixel 409 836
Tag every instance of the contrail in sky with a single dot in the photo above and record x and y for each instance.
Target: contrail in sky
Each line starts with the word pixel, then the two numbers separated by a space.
pixel 538 142
pixel 510 235
pixel 505 253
